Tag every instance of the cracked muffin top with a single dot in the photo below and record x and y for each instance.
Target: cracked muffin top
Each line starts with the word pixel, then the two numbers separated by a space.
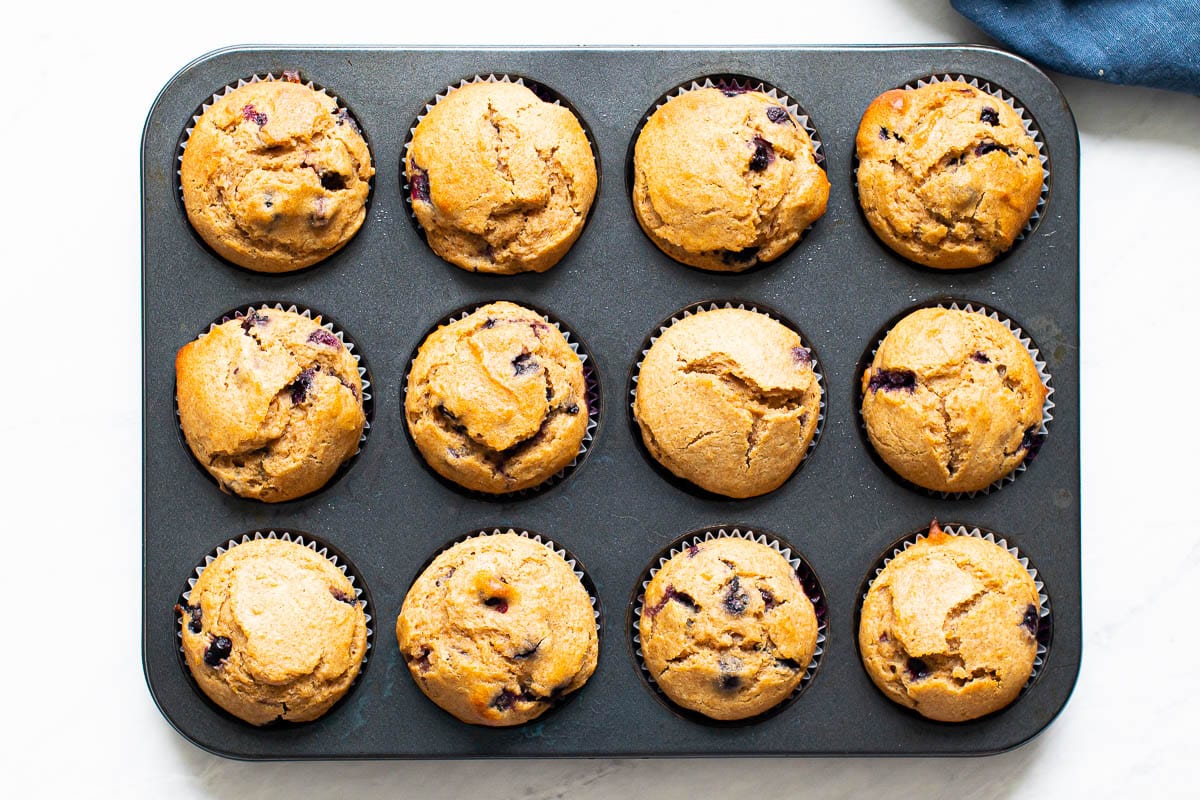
pixel 500 180
pixel 952 400
pixel 497 629
pixel 275 176
pixel 724 179
pixel 728 400
pixel 272 631
pixel 947 174
pixel 270 404
pixel 949 628
pixel 726 628
pixel 496 401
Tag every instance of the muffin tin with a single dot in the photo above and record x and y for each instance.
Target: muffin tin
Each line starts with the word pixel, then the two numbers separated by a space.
pixel 389 514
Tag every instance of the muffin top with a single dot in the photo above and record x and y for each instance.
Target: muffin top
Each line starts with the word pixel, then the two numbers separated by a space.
pixel 949 628
pixel 275 176
pixel 270 404
pixel 726 628
pixel 497 629
pixel 724 179
pixel 947 175
pixel 728 400
pixel 500 180
pixel 272 631
pixel 497 402
pixel 952 400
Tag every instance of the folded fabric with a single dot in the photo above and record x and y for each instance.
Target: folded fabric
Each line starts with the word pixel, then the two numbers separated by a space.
pixel 1140 42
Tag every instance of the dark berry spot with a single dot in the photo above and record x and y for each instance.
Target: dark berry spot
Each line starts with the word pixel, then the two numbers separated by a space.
pixel 693 550
pixel 916 669
pixel 893 380
pixel 418 184
pixel 736 600
pixel 490 322
pixel 343 117
pixel 342 597
pixel 332 181
pixel 801 356
pixel 987 147
pixel 764 154
pixel 745 256
pixel 524 364
pixel 883 637
pixel 572 409
pixel 989 115
pixel 778 115
pixel 322 336
pixel 423 659
pixel 253 115
pixel 1032 441
pixel 194 616
pixel 669 595
pixel 883 133
pixel 268 200
pixel 768 598
pixel 1030 620
pixel 254 319
pixel 505 700
pixel 981 357
pixel 291 75
pixel 353 389
pixel 217 651
pixel 790 663
pixel 301 386
pixel 729 682
pixel 497 603
pixel 528 651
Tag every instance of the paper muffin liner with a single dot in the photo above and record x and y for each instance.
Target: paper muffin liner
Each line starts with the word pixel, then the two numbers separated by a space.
pixel 591 380
pixel 1038 362
pixel 808 579
pixel 326 551
pixel 543 92
pixel 1031 127
pixel 1045 627
pixel 700 308
pixel 368 400
pixel 292 76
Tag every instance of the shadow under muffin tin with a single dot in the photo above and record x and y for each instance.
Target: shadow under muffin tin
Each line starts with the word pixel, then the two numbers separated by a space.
pixel 389 513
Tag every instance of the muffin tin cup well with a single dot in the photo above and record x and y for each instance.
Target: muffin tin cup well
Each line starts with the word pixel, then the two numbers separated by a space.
pixel 543 92
pixel 700 308
pixel 735 83
pixel 808 579
pixel 321 548
pixel 368 400
pixel 576 566
pixel 591 379
pixel 1031 127
pixel 388 287
pixel 1045 628
pixel 186 134
pixel 1030 346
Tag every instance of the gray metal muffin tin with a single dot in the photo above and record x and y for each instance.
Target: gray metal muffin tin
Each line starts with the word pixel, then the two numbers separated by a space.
pixel 389 514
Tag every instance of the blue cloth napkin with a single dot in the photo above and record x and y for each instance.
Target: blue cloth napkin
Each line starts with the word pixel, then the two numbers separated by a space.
pixel 1141 42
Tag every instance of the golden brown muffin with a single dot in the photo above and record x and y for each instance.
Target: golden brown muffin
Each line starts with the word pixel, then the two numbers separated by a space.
pixel 270 404
pixel 497 629
pixel 949 628
pixel 276 176
pixel 725 179
pixel 272 631
pixel 726 628
pixel 500 180
pixel 952 400
pixel 947 175
pixel 497 402
pixel 728 400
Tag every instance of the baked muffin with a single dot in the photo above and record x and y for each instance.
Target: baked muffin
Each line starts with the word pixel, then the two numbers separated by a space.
pixel 497 402
pixel 952 400
pixel 949 628
pixel 500 180
pixel 275 176
pixel 497 629
pixel 270 404
pixel 947 175
pixel 272 631
pixel 728 400
pixel 724 179
pixel 726 628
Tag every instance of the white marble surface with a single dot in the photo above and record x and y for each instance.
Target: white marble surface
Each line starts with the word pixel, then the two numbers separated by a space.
pixel 79 719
